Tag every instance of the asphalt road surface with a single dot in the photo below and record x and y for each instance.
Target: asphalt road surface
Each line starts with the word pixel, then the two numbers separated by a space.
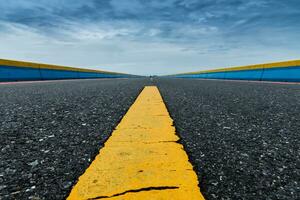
pixel 241 137
pixel 50 132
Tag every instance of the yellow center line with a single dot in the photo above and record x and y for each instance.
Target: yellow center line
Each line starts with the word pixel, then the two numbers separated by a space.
pixel 142 159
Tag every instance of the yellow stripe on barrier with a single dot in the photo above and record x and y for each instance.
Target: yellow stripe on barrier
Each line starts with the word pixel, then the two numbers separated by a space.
pixel 292 63
pixel 14 63
pixel 141 160
pixel 18 64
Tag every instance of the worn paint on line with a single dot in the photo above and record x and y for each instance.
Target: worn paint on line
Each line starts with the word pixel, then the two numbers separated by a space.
pixel 142 159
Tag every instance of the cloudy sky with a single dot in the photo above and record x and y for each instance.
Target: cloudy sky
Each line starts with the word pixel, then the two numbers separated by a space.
pixel 150 36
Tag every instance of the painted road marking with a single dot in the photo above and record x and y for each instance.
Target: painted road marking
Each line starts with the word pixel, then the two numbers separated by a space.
pixel 142 159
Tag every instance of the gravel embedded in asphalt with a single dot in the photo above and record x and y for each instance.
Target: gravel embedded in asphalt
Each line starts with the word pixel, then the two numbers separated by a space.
pixel 243 138
pixel 51 131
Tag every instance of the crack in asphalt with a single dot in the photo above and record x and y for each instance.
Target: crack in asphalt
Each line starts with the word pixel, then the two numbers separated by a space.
pixel 136 191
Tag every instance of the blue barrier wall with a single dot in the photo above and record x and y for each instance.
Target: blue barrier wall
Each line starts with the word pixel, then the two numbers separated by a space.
pixel 290 74
pixel 24 71
pixel 18 73
pixel 48 74
pixel 282 71
pixel 244 75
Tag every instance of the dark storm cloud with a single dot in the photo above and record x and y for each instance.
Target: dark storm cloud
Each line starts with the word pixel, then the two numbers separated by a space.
pixel 226 16
pixel 205 27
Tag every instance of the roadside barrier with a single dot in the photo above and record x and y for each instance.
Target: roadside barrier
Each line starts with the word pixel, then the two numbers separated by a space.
pixel 26 71
pixel 281 71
